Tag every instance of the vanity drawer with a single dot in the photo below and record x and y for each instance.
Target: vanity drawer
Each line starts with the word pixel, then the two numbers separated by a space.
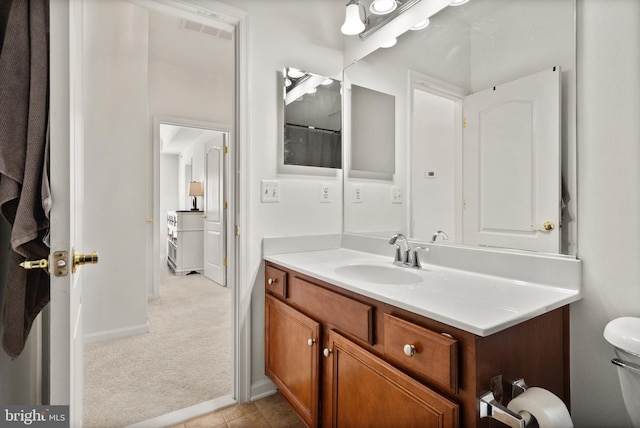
pixel 434 356
pixel 275 281
pixel 338 311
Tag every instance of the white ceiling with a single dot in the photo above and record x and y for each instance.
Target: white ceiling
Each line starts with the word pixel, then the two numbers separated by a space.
pixel 176 138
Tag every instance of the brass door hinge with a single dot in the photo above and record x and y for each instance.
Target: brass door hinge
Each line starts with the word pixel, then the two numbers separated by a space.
pixel 224 262
pixel 225 149
pixel 237 230
pixel 225 205
pixel 464 122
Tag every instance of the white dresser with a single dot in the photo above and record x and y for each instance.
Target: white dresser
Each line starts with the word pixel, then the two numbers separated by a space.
pixel 185 246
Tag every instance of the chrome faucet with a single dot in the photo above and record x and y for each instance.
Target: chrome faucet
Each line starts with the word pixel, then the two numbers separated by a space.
pixel 402 255
pixel 439 233
pixel 406 256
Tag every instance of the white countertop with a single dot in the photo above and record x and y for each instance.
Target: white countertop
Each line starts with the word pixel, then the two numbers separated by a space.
pixel 478 303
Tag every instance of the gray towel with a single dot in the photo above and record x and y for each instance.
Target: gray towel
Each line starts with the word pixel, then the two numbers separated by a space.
pixel 23 152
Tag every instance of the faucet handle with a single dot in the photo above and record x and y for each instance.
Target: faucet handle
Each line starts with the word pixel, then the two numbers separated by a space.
pixel 414 259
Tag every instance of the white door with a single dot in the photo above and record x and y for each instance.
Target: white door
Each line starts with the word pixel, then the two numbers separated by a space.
pixel 511 159
pixel 214 223
pixel 66 216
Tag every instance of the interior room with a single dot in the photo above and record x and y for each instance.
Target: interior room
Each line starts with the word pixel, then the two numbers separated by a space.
pixel 521 289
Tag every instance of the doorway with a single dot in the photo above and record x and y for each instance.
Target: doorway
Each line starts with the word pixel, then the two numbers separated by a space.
pixel 169 93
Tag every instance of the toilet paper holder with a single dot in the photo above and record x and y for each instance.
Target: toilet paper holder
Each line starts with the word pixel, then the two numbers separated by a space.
pixel 490 407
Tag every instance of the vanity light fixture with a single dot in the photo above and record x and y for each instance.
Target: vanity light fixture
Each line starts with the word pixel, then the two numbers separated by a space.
pixel 195 189
pixel 353 24
pixel 327 81
pixel 382 7
pixel 294 73
pixel 458 2
pixel 382 12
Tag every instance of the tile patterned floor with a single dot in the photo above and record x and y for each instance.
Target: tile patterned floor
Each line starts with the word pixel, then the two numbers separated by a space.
pixel 270 412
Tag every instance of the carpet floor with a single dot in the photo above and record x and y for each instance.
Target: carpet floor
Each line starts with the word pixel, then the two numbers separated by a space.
pixel 184 360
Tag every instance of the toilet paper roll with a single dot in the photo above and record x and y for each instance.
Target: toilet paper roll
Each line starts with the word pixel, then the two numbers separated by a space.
pixel 547 408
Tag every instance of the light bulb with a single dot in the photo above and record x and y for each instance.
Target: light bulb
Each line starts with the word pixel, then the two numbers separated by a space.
pixel 390 43
pixel 421 25
pixel 382 7
pixel 352 22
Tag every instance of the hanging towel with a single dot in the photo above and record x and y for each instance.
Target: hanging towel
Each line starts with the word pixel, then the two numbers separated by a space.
pixel 24 193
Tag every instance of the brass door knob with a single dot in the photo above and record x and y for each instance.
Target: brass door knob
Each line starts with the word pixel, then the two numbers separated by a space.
pixel 83 259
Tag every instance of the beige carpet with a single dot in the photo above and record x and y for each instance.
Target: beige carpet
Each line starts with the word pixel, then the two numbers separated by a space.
pixel 184 360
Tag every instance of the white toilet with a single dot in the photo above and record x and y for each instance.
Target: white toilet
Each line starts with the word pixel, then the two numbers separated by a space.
pixel 624 334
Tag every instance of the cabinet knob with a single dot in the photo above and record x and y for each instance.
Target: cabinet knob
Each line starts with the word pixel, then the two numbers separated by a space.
pixel 310 342
pixel 326 352
pixel 409 350
pixel 272 281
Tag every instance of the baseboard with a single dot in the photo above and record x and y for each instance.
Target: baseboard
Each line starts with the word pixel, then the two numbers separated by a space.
pixel 183 415
pixel 262 388
pixel 116 333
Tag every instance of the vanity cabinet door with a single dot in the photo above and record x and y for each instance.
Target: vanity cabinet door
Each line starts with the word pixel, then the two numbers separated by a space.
pixel 292 357
pixel 365 391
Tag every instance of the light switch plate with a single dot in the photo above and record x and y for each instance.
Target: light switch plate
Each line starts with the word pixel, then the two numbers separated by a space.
pixel 270 191
pixel 396 194
pixel 326 195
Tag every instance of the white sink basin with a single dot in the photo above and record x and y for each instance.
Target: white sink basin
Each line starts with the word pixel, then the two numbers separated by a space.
pixel 379 274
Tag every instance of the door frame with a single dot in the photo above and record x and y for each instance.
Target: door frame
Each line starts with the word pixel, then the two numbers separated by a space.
pixel 158 120
pixel 425 83
pixel 238 279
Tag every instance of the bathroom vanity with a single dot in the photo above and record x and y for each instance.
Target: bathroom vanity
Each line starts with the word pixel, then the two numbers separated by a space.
pixel 356 350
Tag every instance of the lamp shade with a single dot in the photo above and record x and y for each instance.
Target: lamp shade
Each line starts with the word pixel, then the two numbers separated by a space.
pixel 196 188
pixel 352 22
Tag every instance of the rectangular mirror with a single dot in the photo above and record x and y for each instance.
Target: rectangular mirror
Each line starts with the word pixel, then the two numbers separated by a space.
pixel 312 123
pixel 373 134
pixel 481 50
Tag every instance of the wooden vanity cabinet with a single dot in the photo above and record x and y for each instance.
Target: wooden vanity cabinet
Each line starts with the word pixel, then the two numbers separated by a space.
pixel 388 367
pixel 291 357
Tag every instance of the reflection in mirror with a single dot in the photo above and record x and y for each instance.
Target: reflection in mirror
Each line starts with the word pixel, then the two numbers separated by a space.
pixel 312 135
pixel 372 142
pixel 481 49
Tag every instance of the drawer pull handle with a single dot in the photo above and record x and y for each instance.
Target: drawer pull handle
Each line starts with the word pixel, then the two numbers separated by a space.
pixel 326 352
pixel 272 281
pixel 409 350
pixel 310 342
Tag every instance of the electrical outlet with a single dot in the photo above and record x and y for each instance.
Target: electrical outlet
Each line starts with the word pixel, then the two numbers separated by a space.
pixel 270 191
pixel 396 194
pixel 326 195
pixel 358 197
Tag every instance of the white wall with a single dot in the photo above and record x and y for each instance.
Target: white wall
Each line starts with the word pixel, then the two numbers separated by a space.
pixel 116 141
pixel 609 201
pixel 277 40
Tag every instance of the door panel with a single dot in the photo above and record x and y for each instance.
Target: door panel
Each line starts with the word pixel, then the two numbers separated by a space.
pixel 511 160
pixel 214 242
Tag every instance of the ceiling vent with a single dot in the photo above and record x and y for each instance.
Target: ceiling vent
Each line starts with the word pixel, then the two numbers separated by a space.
pixel 205 29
